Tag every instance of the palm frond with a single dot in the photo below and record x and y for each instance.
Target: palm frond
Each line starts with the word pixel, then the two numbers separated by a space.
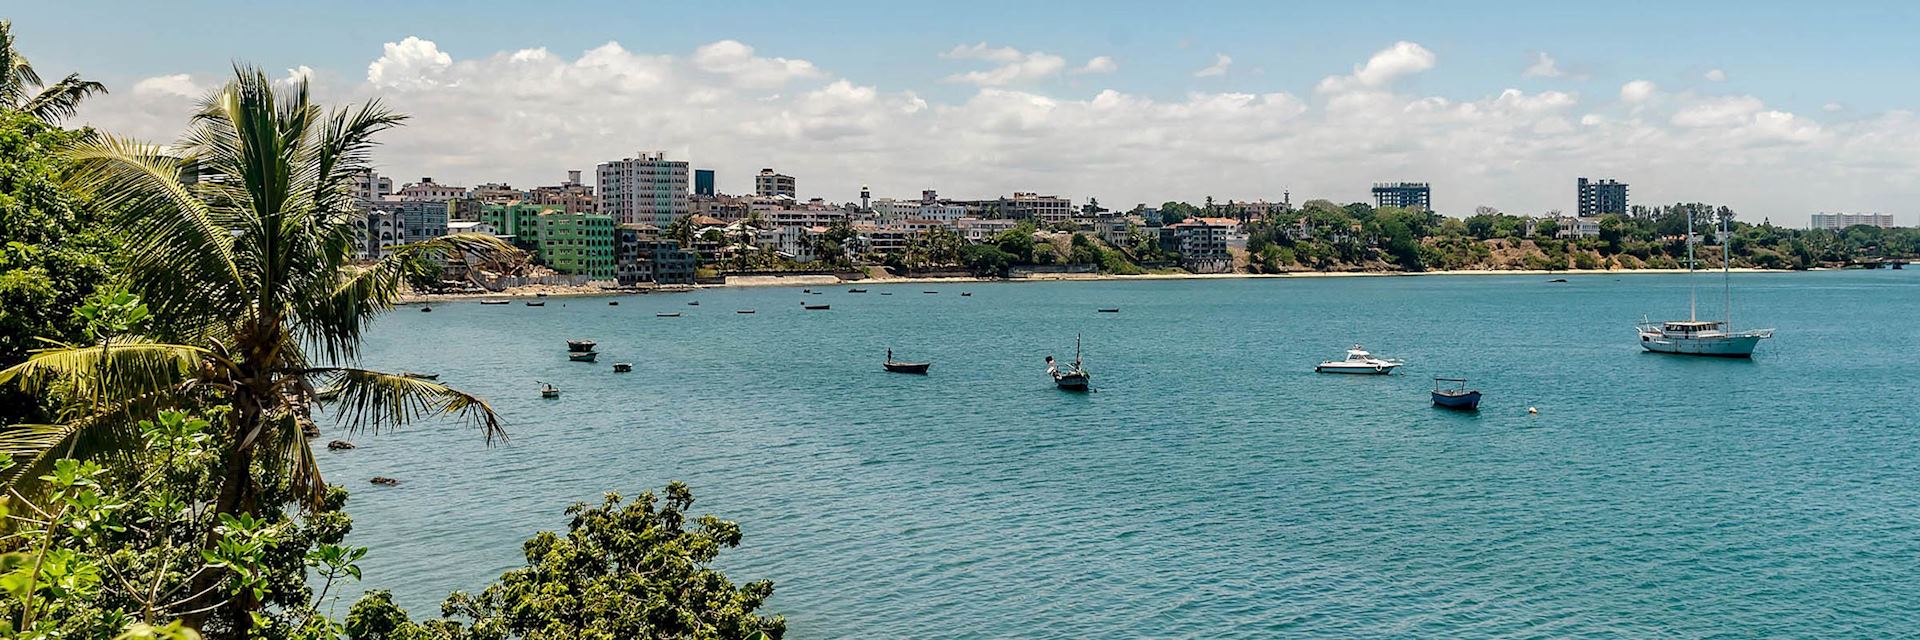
pixel 106 430
pixel 16 74
pixel 289 453
pixel 62 100
pixel 371 400
pixel 179 248
pixel 336 317
pixel 110 373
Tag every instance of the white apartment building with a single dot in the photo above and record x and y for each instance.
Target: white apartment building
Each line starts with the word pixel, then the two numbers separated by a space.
pixel 978 230
pixel 428 190
pixel 370 187
pixel 1837 221
pixel 649 189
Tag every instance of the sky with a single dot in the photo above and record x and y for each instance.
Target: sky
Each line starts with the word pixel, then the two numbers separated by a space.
pixel 1775 109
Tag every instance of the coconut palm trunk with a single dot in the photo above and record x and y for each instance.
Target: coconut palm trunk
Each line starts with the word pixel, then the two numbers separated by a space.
pixel 241 237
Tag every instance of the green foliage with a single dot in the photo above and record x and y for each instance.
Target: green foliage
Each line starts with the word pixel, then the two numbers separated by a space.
pixel 624 570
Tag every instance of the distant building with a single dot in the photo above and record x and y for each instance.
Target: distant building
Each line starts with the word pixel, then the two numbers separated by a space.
pixel 772 184
pixel 427 189
pixel 1602 197
pixel 1248 211
pixel 571 196
pixel 649 189
pixel 723 207
pixel 641 255
pixel 1837 221
pixel 419 220
pixel 494 192
pixel 371 187
pixel 703 182
pixel 1203 242
pixel 379 232
pixel 1407 195
pixel 576 243
pixel 471 227
pixel 1043 210
pixel 518 222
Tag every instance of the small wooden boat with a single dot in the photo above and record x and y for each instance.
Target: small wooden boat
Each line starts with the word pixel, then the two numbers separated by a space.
pixel 426 309
pixel 815 307
pixel 1558 280
pixel 856 291
pixel 896 366
pixel 966 294
pixel 1456 397
pixel 496 302
pixel 583 356
pixel 581 345
pixel 744 311
pixel 613 303
pixel 536 303
pixel 929 292
pixel 540 295
pixel 1072 379
pixel 675 314
pixel 886 293
pixel 622 367
pixel 549 391
pixel 419 376
pixel 693 303
pixel 1110 310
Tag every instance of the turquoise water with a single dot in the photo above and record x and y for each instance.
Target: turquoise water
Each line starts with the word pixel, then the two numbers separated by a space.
pixel 1212 486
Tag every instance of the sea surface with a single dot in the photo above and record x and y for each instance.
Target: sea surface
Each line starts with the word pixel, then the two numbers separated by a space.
pixel 1212 486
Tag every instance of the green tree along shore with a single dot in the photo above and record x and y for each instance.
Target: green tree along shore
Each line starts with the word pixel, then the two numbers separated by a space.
pixel 164 346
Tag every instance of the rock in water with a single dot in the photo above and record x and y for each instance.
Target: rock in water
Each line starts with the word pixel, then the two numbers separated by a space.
pixel 339 445
pixel 385 481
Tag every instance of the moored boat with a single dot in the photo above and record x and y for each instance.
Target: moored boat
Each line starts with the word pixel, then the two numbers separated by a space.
pixel 622 367
pixel 896 366
pixel 1359 361
pixel 581 345
pixel 674 314
pixel 549 391
pixel 496 302
pixel 536 303
pixel 426 309
pixel 744 312
pixel 583 356
pixel 1455 397
pixel 856 291
pixel 1696 337
pixel 420 376
pixel 1074 378
pixel 1110 310
pixel 815 307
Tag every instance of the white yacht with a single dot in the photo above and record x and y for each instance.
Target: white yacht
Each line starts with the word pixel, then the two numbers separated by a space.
pixel 1696 337
pixel 1358 361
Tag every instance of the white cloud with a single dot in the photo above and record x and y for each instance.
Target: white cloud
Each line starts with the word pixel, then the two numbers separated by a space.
pixel 1015 65
pixel 177 85
pixel 1543 67
pixel 1637 91
pixel 526 115
pixel 1389 64
pixel 1219 67
pixel 412 62
pixel 1833 107
pixel 1098 64
pixel 297 75
pixel 1716 75
pixel 736 60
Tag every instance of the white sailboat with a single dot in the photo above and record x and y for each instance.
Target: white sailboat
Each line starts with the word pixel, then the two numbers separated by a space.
pixel 1696 337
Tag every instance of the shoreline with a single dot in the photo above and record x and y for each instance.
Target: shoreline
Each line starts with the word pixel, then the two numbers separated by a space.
pixel 552 291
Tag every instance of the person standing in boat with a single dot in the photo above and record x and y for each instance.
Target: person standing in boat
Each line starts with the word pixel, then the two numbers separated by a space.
pixel 1052 369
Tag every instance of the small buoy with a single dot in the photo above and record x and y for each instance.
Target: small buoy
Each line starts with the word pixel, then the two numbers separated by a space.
pixel 1533 411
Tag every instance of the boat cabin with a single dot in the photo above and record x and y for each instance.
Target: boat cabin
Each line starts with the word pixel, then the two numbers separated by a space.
pixel 1685 327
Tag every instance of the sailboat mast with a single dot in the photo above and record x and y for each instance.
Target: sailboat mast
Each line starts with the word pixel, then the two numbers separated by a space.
pixel 1726 272
pixel 1693 289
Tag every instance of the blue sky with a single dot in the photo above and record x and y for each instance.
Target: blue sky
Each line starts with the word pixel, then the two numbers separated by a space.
pixel 1830 64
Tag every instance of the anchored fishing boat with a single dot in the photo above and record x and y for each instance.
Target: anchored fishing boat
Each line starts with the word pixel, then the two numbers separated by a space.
pixel 1074 378
pixel 896 366
pixel 549 391
pixel 1455 397
pixel 583 356
pixel 578 346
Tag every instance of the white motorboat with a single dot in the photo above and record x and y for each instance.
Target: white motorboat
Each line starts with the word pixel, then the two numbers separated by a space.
pixel 1359 361
pixel 1696 337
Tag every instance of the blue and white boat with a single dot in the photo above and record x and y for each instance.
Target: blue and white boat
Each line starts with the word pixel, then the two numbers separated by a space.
pixel 1456 397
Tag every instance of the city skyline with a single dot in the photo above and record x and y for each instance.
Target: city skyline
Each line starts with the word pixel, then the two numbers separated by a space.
pixel 1126 114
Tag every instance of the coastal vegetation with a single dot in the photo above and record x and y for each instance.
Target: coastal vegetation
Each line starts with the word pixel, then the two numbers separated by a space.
pixel 172 316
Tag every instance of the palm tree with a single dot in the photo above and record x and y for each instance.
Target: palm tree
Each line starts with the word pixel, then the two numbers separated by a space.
pixel 22 90
pixel 240 239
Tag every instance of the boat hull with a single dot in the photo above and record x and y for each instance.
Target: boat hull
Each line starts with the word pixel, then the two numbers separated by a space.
pixel 1462 401
pixel 1071 381
pixel 583 357
pixel 1717 347
pixel 1369 370
pixel 908 367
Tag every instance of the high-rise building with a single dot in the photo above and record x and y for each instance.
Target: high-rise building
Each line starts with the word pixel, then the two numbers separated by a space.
pixel 772 184
pixel 1601 197
pixel 703 182
pixel 371 187
pixel 649 189
pixel 1406 195
pixel 418 220
pixel 577 243
pixel 1837 221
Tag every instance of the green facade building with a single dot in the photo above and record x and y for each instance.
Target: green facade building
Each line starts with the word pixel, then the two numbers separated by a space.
pixel 518 221
pixel 576 243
